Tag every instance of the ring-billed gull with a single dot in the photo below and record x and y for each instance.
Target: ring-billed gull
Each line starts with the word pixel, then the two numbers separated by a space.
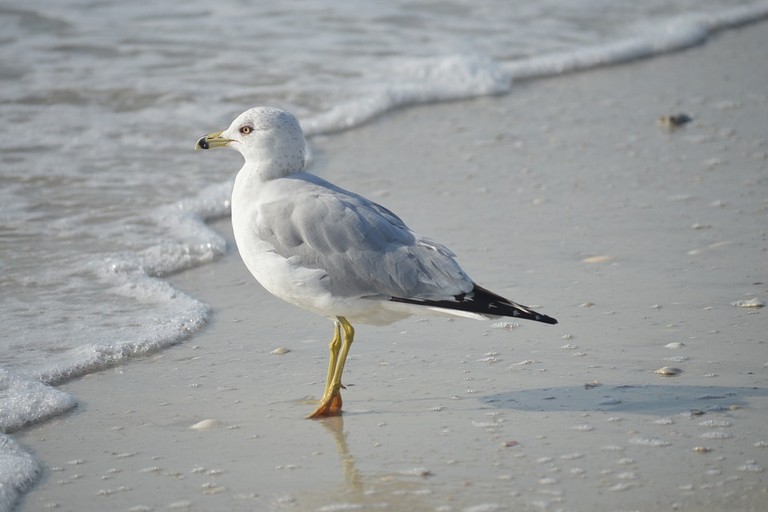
pixel 334 252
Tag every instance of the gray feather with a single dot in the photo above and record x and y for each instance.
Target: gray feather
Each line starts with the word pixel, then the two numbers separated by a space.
pixel 365 249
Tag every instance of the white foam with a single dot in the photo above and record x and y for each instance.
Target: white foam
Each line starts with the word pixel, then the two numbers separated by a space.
pixel 27 401
pixel 414 81
pixel 173 315
pixel 650 40
pixel 18 471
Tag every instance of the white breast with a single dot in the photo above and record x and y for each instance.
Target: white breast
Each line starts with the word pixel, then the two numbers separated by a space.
pixel 285 278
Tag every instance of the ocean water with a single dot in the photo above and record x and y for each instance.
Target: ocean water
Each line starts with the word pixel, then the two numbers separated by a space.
pixel 101 195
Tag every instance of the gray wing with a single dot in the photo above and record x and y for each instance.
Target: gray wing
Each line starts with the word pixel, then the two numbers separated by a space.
pixel 364 249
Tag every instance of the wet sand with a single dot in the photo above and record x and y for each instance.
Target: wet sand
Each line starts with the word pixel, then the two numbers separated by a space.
pixel 565 194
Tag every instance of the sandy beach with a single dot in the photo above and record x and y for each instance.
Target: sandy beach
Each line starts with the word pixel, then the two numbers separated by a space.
pixel 649 244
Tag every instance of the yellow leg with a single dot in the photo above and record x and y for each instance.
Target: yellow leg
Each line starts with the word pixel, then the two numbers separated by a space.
pixel 349 337
pixel 333 348
pixel 330 404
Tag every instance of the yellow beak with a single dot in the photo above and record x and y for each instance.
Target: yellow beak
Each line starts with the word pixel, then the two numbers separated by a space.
pixel 212 140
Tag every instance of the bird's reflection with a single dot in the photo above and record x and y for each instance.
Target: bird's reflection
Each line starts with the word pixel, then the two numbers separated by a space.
pixel 369 491
pixel 335 425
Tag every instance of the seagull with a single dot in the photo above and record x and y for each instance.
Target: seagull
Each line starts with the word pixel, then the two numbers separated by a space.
pixel 334 252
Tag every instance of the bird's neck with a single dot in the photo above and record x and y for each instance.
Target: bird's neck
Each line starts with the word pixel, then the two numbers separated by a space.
pixel 256 173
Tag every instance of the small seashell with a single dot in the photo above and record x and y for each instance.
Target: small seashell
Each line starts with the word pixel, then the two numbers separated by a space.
pixel 751 303
pixel 751 467
pixel 715 423
pixel 206 424
pixel 715 434
pixel 598 259
pixel 505 325
pixel 668 371
pixel 675 345
pixel 279 351
pixel 644 441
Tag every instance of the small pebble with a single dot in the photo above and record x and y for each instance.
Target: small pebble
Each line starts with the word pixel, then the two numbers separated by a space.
pixel 279 351
pixel 179 505
pixel 674 121
pixel 668 371
pixel 419 471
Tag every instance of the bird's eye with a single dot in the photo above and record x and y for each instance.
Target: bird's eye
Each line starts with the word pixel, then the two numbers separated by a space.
pixel 245 130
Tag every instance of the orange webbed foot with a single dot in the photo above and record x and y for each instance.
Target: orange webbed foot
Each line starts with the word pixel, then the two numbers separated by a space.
pixel 330 406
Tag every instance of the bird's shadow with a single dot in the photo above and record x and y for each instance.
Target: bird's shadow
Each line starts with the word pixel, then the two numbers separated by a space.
pixel 638 399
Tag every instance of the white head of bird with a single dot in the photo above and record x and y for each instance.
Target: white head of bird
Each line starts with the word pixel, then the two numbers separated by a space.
pixel 270 140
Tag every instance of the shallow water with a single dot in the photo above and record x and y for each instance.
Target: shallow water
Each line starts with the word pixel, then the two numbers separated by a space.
pixel 101 103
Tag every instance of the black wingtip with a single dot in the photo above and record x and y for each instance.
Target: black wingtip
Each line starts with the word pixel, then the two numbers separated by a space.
pixel 546 319
pixel 484 302
pixel 514 310
pixel 496 304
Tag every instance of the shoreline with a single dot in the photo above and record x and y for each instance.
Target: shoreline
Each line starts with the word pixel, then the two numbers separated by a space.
pixel 582 200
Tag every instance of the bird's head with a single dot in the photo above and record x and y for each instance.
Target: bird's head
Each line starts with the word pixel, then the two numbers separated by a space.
pixel 270 140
